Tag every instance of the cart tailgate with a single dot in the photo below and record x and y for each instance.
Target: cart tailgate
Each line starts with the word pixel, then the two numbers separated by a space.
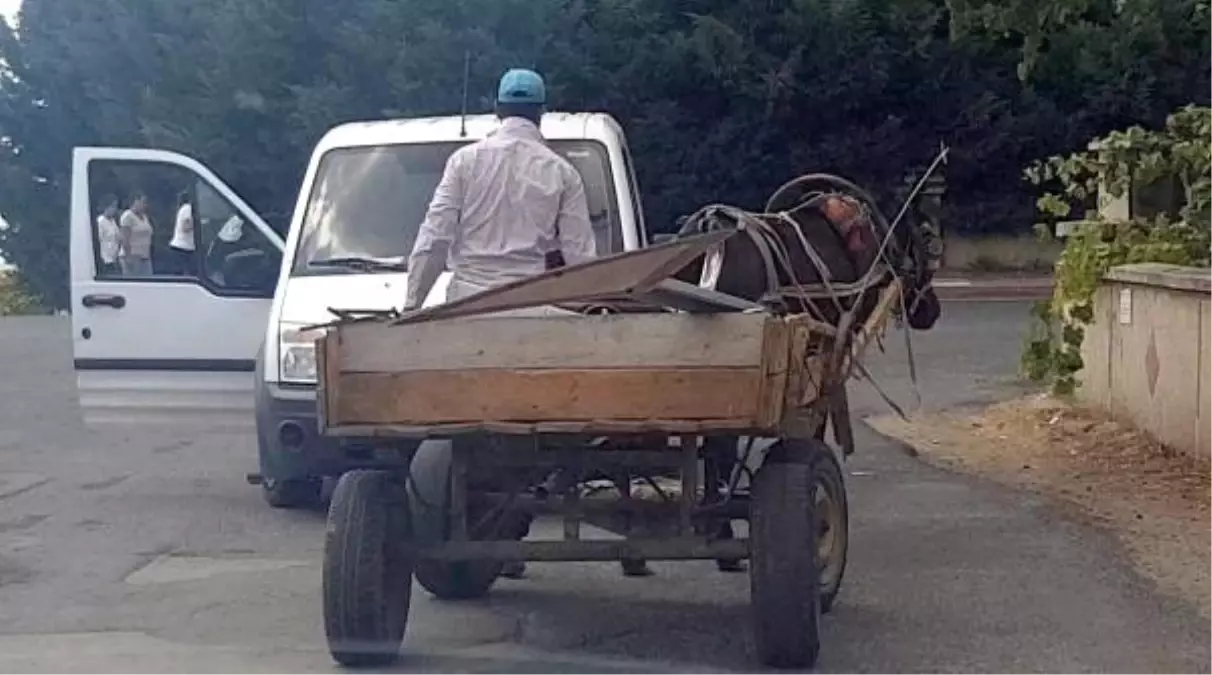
pixel 616 373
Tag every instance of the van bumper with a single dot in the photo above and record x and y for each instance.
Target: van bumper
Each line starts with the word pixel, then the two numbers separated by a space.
pixel 292 447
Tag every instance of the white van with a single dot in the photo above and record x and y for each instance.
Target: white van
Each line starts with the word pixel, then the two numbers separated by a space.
pixel 212 342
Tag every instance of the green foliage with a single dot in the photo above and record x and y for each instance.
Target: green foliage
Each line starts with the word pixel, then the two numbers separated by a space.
pixel 1178 234
pixel 14 298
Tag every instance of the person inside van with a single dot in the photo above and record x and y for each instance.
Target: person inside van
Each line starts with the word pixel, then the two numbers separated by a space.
pixel 136 238
pixel 108 237
pixel 503 206
pixel 181 248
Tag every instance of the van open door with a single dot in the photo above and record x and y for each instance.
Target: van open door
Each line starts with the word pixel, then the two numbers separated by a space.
pixel 172 277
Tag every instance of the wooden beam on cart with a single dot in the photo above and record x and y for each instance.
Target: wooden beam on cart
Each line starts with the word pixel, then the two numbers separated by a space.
pixel 636 374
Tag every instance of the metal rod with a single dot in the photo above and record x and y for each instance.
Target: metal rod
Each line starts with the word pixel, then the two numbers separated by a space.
pixel 466 88
pixel 590 458
pixel 681 548
pixel 641 509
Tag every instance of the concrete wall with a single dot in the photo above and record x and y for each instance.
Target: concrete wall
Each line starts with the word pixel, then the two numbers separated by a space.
pixel 1147 355
pixel 999 253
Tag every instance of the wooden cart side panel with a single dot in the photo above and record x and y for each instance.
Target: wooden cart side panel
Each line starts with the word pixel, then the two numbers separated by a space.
pixel 596 427
pixel 806 368
pixel 328 367
pixel 451 397
pixel 323 382
pixel 568 342
pixel 775 352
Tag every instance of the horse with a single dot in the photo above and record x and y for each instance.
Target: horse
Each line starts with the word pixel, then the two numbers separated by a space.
pixel 820 248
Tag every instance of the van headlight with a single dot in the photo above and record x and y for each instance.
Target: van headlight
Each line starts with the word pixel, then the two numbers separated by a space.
pixel 297 354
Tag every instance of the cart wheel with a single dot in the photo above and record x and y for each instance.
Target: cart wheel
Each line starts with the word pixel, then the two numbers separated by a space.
pixel 429 499
pixel 832 513
pixel 786 603
pixel 367 569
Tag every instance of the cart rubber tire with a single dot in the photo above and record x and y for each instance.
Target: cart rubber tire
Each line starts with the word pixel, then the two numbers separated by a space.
pixel 783 578
pixel 367 569
pixel 301 493
pixel 429 499
pixel 827 476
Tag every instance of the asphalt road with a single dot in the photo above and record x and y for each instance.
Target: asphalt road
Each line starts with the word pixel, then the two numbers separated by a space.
pixel 147 553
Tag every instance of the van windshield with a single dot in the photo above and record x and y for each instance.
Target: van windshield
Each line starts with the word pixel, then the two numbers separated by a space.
pixel 367 203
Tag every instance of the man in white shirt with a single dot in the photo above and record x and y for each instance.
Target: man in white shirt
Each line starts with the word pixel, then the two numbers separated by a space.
pixel 182 245
pixel 504 204
pixel 109 238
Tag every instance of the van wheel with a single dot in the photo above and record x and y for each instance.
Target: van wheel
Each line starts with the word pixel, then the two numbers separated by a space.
pixel 299 493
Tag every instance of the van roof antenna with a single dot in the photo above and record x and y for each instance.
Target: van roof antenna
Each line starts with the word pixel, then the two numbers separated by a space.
pixel 466 81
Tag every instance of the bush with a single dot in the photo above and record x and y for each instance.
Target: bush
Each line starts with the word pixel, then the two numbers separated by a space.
pixel 14 298
pixel 1178 233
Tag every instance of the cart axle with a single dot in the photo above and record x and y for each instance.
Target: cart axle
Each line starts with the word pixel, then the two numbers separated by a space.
pixel 684 548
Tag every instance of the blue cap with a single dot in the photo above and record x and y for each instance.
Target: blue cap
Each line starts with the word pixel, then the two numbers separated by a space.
pixel 522 86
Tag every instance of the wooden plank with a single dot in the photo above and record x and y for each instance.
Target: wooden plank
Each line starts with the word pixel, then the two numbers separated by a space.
pixel 890 299
pixel 431 397
pixel 328 369
pixel 776 348
pixel 806 370
pixel 596 427
pixel 690 298
pixel 571 342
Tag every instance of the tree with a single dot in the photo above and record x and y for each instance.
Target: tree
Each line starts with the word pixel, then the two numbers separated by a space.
pixel 722 101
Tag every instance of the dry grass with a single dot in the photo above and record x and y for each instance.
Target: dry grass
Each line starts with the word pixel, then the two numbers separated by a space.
pixel 1154 499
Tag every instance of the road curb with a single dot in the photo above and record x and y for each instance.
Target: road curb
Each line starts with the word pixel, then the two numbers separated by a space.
pixel 1003 289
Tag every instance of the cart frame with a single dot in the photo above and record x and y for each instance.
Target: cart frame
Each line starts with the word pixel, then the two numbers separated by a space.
pixel 491 475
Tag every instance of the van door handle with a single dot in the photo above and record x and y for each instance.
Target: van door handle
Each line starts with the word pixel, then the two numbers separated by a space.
pixel 104 300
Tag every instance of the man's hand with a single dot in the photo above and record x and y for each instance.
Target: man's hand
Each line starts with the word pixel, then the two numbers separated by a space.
pixel 424 267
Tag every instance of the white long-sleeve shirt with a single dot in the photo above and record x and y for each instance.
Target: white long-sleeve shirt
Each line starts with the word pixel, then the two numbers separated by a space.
pixel 109 239
pixel 501 205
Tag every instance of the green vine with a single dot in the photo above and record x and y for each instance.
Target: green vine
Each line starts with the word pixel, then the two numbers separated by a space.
pixel 1175 162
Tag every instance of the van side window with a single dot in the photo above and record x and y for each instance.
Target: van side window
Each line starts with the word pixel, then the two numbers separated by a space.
pixel 160 222
pixel 134 214
pixel 235 256
pixel 591 161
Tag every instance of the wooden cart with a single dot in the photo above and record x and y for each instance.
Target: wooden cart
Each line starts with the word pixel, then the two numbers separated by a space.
pixel 492 418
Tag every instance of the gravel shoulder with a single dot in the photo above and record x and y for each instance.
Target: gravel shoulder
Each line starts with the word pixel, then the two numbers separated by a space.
pixel 1154 500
